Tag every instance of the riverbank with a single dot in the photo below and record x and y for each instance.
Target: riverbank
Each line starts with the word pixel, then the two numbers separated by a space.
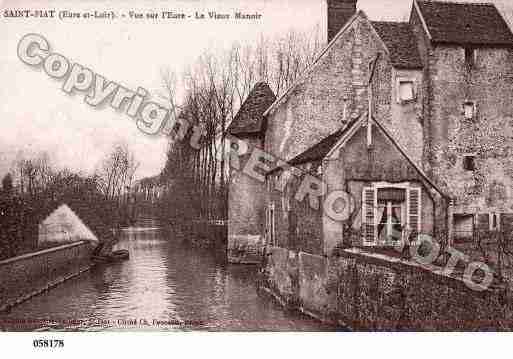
pixel 28 275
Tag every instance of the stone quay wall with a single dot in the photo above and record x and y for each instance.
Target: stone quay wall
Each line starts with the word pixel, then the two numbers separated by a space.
pixel 25 276
pixel 366 291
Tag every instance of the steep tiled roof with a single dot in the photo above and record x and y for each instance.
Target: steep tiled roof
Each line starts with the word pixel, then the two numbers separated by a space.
pixel 250 119
pixel 465 23
pixel 401 43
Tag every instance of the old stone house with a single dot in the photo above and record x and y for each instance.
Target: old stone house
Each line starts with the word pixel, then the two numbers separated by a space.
pixel 433 156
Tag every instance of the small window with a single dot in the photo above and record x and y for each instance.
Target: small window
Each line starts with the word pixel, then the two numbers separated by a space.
pixel 405 90
pixel 495 221
pixel 470 57
pixel 469 110
pixel 469 163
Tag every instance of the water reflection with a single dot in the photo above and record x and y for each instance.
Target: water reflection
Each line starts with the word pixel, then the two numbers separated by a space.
pixel 166 285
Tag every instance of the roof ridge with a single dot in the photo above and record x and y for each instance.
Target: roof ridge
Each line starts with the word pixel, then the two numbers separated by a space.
pixel 458 2
pixel 390 22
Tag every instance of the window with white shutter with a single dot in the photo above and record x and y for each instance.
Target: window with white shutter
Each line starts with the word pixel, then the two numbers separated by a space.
pixel 414 209
pixel 369 206
pixel 494 221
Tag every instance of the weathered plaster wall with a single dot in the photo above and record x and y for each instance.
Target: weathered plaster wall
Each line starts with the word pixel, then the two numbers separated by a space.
pixel 298 226
pixel 425 51
pixel 382 163
pixel 246 212
pixel 405 122
pixel 28 275
pixel 334 175
pixel 309 235
pixel 314 108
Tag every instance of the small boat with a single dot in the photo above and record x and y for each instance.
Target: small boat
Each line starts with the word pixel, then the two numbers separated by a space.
pixel 120 255
pixel 115 256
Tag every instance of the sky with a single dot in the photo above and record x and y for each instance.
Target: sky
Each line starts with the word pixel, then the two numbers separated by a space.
pixel 36 115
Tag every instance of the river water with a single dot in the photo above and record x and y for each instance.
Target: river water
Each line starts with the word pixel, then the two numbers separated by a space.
pixel 166 285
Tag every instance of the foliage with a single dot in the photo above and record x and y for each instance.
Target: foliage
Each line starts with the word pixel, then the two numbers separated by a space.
pixel 41 188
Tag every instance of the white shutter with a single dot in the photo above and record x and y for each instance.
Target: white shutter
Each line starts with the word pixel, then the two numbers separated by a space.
pixel 369 207
pixel 414 209
pixel 271 225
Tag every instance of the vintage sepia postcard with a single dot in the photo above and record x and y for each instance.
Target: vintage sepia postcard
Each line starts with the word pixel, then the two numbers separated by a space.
pixel 328 166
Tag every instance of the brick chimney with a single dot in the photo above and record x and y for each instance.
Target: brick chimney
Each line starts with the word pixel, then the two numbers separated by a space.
pixel 339 12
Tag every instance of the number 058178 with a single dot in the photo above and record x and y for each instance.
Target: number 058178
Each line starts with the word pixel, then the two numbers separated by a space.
pixel 48 343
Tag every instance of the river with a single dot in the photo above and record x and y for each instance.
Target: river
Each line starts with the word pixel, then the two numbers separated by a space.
pixel 166 285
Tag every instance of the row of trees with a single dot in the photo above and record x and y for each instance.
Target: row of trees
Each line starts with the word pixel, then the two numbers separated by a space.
pixel 36 187
pixel 212 90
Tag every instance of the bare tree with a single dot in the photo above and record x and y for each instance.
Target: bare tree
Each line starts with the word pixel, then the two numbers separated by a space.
pixel 117 171
pixel 35 173
pixel 214 88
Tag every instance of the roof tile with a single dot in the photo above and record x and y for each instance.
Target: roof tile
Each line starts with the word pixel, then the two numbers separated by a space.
pixel 401 43
pixel 465 23
pixel 250 119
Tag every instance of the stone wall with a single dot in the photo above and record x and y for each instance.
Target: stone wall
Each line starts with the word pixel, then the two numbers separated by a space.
pixel 488 135
pixel 28 275
pixel 448 82
pixel 365 291
pixel 377 292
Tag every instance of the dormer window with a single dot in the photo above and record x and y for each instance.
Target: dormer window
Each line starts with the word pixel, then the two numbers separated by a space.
pixel 405 90
pixel 469 110
pixel 470 57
